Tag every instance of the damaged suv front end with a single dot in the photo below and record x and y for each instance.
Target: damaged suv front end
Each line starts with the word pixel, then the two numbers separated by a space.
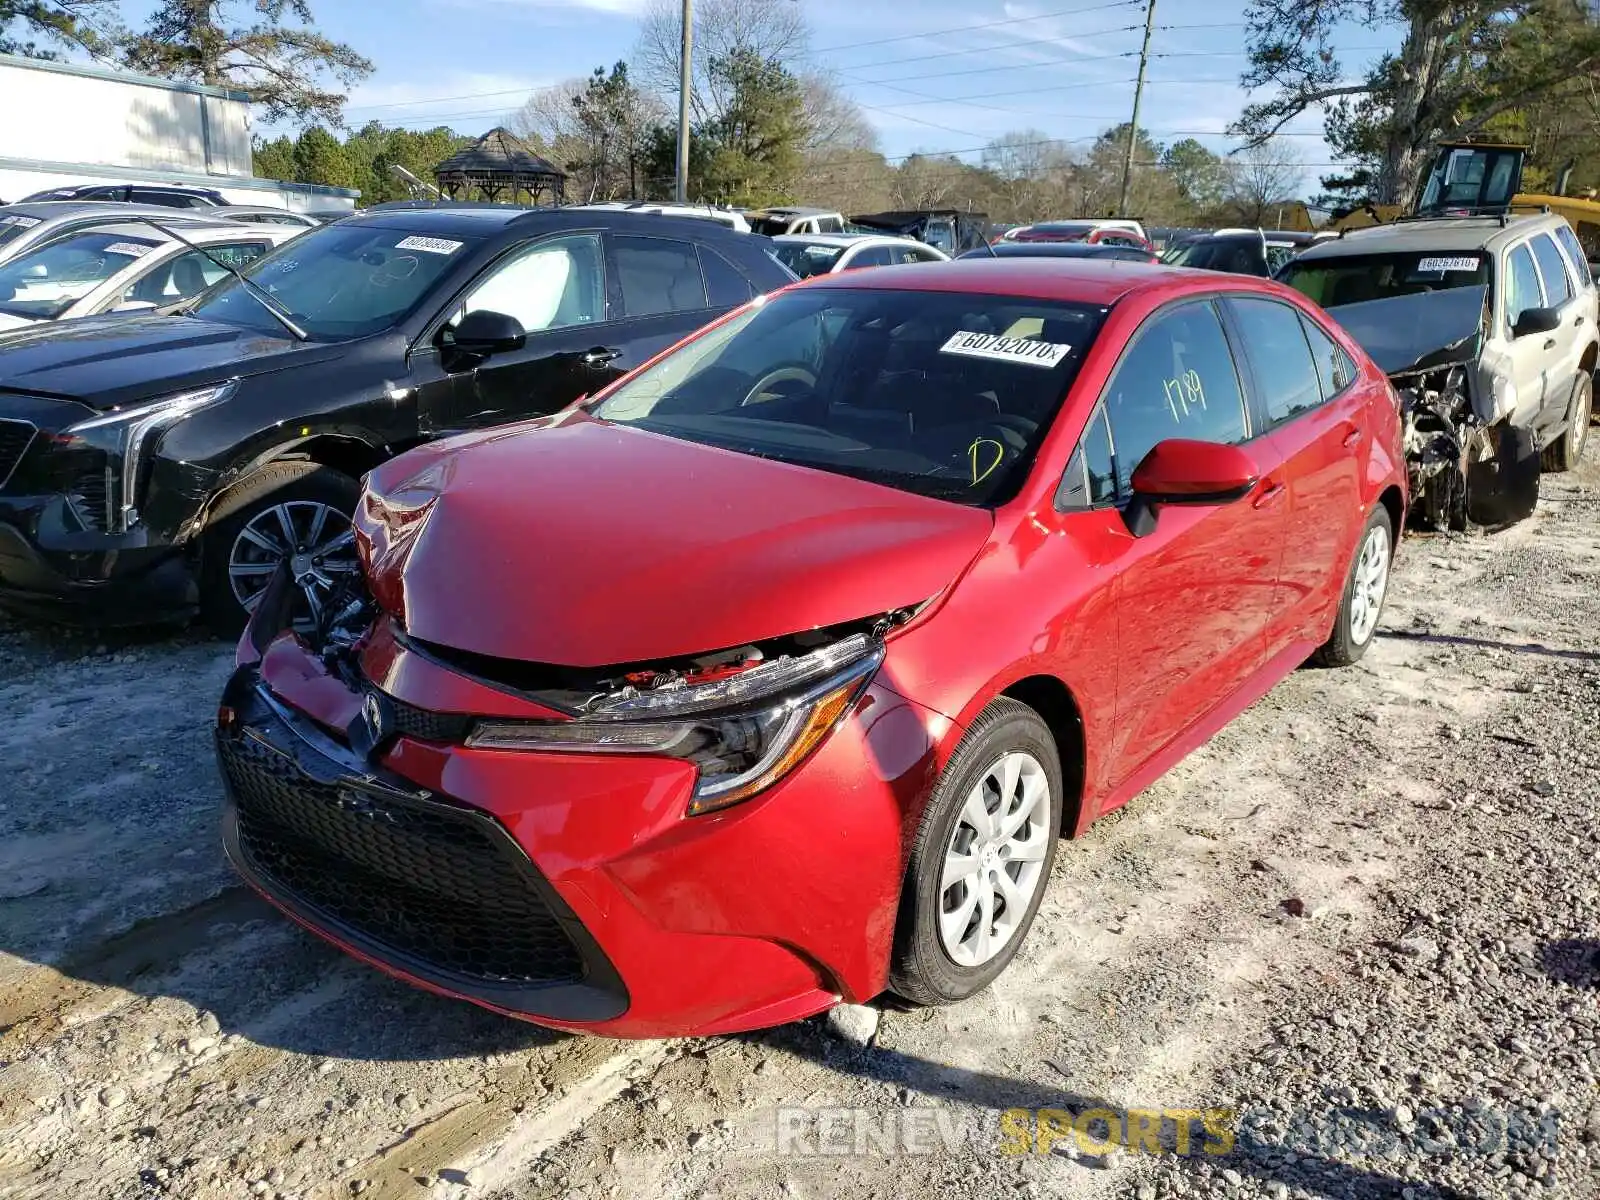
pixel 1467 460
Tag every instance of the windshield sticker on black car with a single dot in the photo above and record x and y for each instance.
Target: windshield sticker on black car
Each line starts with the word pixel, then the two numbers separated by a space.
pixel 1429 266
pixel 131 249
pixel 428 245
pixel 21 222
pixel 1003 349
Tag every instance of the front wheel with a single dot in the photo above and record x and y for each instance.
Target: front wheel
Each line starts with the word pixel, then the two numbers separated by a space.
pixel 292 511
pixel 981 858
pixel 1365 589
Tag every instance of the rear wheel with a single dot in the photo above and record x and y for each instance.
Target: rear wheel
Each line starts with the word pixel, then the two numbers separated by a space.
pixel 981 858
pixel 295 511
pixel 1365 589
pixel 1568 449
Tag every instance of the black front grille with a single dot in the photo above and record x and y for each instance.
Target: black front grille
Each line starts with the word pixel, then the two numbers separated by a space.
pixel 411 721
pixel 438 883
pixel 15 437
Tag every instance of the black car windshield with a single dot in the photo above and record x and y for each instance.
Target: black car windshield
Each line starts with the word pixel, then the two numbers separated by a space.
pixel 806 259
pixel 1355 279
pixel 44 283
pixel 1237 256
pixel 339 281
pixel 943 394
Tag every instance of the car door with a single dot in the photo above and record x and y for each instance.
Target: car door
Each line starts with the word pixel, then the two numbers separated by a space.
pixel 1304 393
pixel 660 292
pixel 556 289
pixel 1529 356
pixel 1196 593
pixel 1571 336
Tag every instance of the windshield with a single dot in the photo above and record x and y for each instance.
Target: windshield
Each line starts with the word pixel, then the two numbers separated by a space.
pixel 46 282
pixel 942 394
pixel 806 259
pixel 1417 332
pixel 1236 256
pixel 339 281
pixel 1359 278
pixel 771 226
pixel 1471 179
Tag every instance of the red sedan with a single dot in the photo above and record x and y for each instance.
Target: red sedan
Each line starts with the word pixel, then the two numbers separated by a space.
pixel 770 676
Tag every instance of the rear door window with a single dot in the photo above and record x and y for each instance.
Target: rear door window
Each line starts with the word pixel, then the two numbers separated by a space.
pixel 1178 380
pixel 1552 270
pixel 725 285
pixel 1335 371
pixel 1578 260
pixel 1275 342
pixel 658 276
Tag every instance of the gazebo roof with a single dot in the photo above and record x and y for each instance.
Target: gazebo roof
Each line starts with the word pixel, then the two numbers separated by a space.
pixel 502 157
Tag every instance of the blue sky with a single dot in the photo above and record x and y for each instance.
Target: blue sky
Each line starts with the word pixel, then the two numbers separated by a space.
pixel 1062 66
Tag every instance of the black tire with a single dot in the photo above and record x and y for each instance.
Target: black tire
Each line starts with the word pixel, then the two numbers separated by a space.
pixel 274 484
pixel 1344 647
pixel 1565 454
pixel 922 970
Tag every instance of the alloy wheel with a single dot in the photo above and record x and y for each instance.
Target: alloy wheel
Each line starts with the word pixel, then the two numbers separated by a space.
pixel 315 539
pixel 1370 583
pixel 993 863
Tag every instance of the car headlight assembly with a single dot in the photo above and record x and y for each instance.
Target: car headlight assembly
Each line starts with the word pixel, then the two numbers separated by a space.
pixel 743 732
pixel 124 434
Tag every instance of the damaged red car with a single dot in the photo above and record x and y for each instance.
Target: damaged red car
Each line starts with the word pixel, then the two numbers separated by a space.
pixel 770 676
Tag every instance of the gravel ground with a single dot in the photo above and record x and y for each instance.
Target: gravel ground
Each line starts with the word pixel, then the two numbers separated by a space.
pixel 1360 925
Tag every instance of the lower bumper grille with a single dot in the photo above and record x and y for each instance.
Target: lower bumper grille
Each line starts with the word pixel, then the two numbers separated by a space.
pixel 431 881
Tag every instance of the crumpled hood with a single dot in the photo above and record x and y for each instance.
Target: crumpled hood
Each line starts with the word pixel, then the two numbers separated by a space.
pixel 116 359
pixel 574 542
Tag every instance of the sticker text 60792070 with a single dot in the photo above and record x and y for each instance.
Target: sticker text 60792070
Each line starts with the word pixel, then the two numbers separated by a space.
pixel 1026 351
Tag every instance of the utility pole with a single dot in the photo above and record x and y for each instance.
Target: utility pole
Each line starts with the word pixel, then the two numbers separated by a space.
pixel 1138 95
pixel 685 76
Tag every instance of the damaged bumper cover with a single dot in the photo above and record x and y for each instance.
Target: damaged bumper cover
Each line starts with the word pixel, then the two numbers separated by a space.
pixel 656 913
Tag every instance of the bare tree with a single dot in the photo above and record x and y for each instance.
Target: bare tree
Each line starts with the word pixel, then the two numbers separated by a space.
pixel 770 29
pixel 1266 177
pixel 597 128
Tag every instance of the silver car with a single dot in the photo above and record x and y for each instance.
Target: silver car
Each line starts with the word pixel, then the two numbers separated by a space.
pixel 125 266
pixel 29 224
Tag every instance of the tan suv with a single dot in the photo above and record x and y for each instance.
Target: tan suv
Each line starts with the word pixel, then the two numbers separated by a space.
pixel 1488 326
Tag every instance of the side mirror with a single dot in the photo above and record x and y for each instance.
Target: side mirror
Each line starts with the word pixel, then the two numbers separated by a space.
pixel 1184 471
pixel 1536 320
pixel 489 332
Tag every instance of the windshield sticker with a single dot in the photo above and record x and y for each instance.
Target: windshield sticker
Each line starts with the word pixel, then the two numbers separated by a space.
pixel 428 245
pixel 1429 266
pixel 1004 349
pixel 1185 394
pixel 21 222
pixel 131 249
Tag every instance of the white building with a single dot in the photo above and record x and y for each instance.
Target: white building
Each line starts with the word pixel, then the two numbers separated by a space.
pixel 71 124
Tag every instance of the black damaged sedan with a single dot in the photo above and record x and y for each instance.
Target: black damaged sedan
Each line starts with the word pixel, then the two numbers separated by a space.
pixel 156 466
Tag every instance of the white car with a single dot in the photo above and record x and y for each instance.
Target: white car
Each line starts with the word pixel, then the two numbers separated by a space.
pixel 125 266
pixel 808 254
pixel 705 212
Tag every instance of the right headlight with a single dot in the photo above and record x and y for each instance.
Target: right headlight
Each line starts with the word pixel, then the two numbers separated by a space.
pixel 743 732
pixel 125 434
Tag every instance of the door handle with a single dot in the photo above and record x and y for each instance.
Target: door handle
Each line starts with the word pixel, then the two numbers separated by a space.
pixel 1579 321
pixel 1270 495
pixel 1352 438
pixel 1549 343
pixel 600 356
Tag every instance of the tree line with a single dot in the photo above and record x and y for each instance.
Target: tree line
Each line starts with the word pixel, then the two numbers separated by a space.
pixel 770 125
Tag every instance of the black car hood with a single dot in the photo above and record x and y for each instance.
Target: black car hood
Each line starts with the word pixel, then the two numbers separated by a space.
pixel 116 359
pixel 1406 335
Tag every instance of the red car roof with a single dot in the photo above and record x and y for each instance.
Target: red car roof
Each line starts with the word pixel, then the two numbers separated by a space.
pixel 1084 281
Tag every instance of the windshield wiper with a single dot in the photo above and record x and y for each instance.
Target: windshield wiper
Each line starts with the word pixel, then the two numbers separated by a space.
pixel 274 309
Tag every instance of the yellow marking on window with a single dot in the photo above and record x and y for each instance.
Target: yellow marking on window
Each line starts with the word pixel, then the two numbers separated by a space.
pixel 974 455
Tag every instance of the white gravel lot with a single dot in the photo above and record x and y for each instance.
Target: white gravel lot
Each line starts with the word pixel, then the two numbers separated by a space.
pixel 1362 922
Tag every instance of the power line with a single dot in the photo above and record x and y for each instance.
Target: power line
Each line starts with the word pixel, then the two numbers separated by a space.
pixel 1023 45
pixel 908 37
pixel 522 91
